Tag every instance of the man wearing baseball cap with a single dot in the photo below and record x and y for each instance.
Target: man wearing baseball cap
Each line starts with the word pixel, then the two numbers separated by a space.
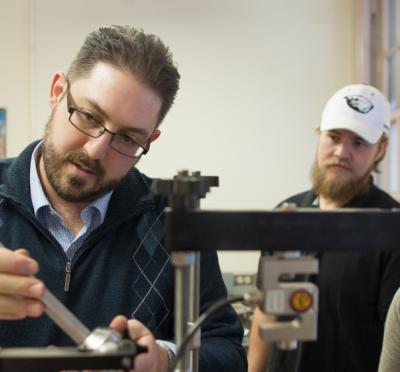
pixel 355 288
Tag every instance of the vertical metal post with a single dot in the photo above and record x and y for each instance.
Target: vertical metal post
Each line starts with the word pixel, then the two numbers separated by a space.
pixel 195 310
pixel 183 261
pixel 184 192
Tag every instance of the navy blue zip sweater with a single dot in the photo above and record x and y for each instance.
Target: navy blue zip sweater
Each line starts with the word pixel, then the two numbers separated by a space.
pixel 122 268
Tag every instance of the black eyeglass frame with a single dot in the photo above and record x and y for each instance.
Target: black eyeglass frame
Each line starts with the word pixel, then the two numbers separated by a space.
pixel 71 109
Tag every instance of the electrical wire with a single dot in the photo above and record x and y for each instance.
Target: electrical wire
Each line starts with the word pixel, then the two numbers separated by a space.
pixel 198 323
pixel 203 317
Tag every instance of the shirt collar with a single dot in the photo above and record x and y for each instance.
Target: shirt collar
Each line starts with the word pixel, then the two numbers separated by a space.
pixel 39 198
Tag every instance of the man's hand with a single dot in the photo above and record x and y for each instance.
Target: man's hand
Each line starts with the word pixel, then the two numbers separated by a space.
pixel 156 357
pixel 19 290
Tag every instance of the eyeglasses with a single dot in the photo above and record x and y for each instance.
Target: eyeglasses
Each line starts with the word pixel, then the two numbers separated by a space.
pixel 86 123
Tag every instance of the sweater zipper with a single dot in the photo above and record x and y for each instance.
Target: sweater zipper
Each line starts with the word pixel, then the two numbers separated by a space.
pixel 67 276
pixel 68 265
pixel 68 268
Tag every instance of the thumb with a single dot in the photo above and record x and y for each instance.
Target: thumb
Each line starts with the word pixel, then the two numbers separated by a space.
pixel 119 323
pixel 22 251
pixel 138 331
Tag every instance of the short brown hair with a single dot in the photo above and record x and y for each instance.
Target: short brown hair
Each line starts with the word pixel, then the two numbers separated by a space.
pixel 132 50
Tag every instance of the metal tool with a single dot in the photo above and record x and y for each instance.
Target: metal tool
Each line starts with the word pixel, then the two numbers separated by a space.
pixel 67 321
pixel 100 339
pixel 98 349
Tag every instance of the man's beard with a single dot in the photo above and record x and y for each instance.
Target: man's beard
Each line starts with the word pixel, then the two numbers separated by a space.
pixel 333 188
pixel 72 189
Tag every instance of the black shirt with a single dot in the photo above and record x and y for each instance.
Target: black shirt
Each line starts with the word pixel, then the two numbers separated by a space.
pixel 355 290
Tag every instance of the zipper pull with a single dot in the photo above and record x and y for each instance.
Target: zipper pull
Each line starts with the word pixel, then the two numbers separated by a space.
pixel 67 276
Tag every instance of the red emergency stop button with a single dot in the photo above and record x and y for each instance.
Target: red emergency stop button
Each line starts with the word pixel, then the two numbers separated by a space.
pixel 301 300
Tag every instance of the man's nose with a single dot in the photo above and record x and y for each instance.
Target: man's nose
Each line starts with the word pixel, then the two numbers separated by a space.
pixel 342 150
pixel 97 148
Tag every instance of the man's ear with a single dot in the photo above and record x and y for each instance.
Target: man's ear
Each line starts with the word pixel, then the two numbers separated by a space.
pixel 57 88
pixel 156 133
pixel 380 154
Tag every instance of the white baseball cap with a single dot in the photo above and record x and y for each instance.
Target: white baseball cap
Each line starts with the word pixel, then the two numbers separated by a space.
pixel 360 108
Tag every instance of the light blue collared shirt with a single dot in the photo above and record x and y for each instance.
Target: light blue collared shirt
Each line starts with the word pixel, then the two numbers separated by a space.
pixel 92 216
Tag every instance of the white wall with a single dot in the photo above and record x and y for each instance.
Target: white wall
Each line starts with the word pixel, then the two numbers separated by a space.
pixel 255 76
pixel 15 70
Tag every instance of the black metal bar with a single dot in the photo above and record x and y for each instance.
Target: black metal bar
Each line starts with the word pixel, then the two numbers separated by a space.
pixel 304 229
pixel 64 358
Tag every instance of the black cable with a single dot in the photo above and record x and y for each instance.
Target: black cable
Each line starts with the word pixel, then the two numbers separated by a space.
pixel 197 324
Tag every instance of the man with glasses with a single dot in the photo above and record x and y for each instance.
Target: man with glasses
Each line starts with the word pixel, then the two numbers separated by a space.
pixel 355 288
pixel 78 218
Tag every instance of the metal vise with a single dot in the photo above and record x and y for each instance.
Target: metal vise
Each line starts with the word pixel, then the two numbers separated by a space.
pixel 296 300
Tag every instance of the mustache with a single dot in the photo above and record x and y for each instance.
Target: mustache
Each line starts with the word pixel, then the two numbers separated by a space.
pixel 85 161
pixel 340 163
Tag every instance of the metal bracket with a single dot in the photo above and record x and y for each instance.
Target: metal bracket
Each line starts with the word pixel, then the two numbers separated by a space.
pixel 298 300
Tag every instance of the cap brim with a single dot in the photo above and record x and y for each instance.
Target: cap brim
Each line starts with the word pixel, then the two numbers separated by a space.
pixel 365 131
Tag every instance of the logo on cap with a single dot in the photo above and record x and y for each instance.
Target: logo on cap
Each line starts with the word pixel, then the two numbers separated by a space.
pixel 359 104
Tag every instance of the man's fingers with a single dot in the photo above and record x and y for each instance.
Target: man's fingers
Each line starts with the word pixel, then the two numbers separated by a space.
pixel 156 358
pixel 19 290
pixel 119 323
pixel 137 330
pixel 21 286
pixel 17 263
pixel 23 251
pixel 13 307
